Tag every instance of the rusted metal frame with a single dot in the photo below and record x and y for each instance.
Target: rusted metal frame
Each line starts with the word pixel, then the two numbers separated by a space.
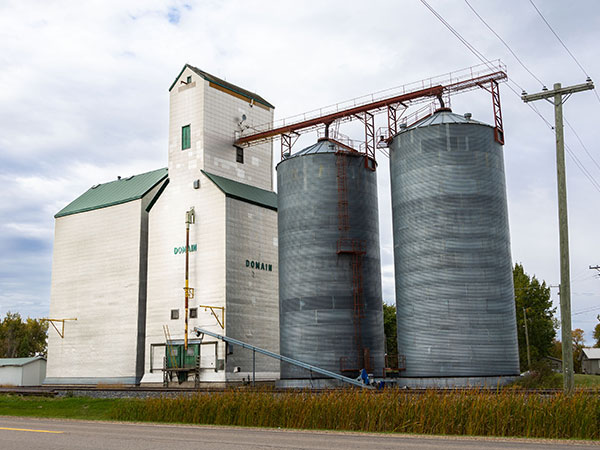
pixel 433 91
pixel 287 142
pixel 494 89
pixel 368 120
pixel 392 111
pixel 498 126
pixel 329 118
pixel 475 82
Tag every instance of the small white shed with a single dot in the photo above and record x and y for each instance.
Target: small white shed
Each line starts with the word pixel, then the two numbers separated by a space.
pixel 590 361
pixel 22 371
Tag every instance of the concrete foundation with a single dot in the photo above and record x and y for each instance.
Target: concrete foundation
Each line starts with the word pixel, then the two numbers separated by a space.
pixel 453 382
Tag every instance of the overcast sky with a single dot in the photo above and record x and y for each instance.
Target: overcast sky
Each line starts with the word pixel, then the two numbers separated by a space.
pixel 84 98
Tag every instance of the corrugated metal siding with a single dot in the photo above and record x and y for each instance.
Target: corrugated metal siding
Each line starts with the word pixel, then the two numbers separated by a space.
pixel 454 287
pixel 315 283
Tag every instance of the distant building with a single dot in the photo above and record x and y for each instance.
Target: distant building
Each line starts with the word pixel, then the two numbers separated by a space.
pixel 119 251
pixel 555 363
pixel 22 371
pixel 590 361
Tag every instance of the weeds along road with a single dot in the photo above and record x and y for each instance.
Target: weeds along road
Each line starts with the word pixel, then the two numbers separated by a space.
pixel 53 434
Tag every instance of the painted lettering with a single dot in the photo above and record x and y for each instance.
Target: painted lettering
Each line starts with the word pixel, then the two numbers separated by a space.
pixel 181 250
pixel 259 265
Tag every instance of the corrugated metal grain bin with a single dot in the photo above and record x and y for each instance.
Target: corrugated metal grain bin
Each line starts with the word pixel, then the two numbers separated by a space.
pixel 454 287
pixel 316 282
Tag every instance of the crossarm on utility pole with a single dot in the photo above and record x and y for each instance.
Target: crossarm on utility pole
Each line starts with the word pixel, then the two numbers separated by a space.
pixel 558 91
pixel 295 362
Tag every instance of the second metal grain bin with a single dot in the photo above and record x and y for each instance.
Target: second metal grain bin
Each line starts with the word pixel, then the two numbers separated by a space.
pixel 329 263
pixel 453 268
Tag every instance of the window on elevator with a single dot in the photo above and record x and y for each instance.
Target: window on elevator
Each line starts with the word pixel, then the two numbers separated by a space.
pixel 185 137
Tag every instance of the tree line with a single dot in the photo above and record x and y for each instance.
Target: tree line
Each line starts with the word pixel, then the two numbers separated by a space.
pixel 533 302
pixel 22 338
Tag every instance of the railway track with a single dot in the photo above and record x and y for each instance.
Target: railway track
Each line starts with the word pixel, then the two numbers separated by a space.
pixel 137 391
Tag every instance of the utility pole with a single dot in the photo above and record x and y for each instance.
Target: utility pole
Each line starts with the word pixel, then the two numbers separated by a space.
pixel 527 339
pixel 565 284
pixel 190 218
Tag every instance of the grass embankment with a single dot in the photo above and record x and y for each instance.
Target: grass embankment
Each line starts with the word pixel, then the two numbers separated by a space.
pixel 553 380
pixel 64 408
pixel 509 413
pixel 585 381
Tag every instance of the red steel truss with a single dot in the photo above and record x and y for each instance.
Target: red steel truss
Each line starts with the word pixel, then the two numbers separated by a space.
pixel 395 101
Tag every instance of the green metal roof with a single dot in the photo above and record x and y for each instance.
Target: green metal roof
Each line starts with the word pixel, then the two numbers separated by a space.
pixel 224 84
pixel 244 192
pixel 18 362
pixel 114 193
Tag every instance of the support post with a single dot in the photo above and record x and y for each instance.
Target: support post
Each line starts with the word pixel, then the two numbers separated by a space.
pixel 556 94
pixel 253 367
pixel 189 219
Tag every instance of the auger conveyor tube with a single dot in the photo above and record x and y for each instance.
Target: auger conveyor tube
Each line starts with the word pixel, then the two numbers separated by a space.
pixel 295 362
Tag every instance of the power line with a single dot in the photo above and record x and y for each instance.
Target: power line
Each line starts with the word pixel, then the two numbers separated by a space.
pixel 473 50
pixel 571 153
pixel 579 164
pixel 483 59
pixel 563 44
pixel 581 142
pixel 504 42
pixel 588 310
pixel 559 39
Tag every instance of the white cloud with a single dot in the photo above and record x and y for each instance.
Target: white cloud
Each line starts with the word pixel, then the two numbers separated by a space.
pixel 84 95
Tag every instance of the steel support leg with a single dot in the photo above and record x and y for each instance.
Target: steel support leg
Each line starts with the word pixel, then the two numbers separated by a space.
pixel 498 127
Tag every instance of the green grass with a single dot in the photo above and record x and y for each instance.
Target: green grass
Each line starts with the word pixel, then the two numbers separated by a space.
pixel 65 408
pixel 555 381
pixel 506 413
pixel 586 381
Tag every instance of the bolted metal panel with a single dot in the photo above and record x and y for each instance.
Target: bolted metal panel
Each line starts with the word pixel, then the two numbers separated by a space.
pixel 454 287
pixel 315 282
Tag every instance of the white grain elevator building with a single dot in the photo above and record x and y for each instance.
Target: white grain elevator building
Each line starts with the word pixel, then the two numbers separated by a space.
pixel 119 251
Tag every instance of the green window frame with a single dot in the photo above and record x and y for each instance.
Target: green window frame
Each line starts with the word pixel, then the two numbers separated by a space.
pixel 185 137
